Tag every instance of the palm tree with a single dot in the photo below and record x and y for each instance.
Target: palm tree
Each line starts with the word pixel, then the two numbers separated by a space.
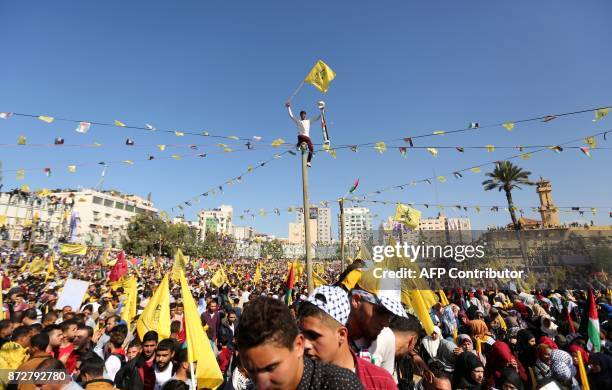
pixel 507 176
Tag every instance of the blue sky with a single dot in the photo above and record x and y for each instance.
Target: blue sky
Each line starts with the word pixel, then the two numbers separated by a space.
pixel 403 68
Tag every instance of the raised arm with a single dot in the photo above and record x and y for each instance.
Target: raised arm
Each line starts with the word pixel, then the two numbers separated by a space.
pixel 315 119
pixel 288 105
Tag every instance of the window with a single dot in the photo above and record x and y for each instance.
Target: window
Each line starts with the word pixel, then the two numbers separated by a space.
pixel 108 203
pixel 97 200
pixel 119 205
pixel 129 208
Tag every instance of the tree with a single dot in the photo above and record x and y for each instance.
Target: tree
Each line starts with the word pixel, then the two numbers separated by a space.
pixel 144 234
pixel 272 249
pixel 507 176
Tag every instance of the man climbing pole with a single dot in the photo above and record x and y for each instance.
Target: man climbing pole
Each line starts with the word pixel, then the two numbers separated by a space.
pixel 303 127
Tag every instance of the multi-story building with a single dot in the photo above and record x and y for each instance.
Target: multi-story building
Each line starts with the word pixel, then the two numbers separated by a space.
pixel 217 220
pixel 241 233
pixel 100 218
pixel 297 235
pixel 322 218
pixel 357 225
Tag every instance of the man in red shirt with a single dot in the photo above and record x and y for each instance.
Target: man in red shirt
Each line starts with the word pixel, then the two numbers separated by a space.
pixel 322 320
pixel 139 373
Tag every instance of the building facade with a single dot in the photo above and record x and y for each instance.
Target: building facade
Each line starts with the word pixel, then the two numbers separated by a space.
pixel 357 225
pixel 297 235
pixel 322 218
pixel 218 220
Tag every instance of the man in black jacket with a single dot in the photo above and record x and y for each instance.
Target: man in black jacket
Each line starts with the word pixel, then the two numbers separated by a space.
pixel 139 373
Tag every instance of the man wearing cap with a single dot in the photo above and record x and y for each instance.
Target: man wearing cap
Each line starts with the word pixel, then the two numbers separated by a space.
pixel 369 315
pixel 322 320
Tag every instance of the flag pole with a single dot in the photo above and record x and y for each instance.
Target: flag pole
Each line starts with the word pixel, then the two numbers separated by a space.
pixel 306 211
pixel 296 91
pixel 193 377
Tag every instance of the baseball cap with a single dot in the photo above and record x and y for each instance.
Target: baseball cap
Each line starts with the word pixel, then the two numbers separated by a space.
pixel 333 301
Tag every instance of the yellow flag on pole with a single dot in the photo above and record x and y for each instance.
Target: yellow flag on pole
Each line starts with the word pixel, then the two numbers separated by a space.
pixel 318 281
pixel 156 315
pixel 129 306
pixel 219 277
pixel 257 278
pixel 208 375
pixel 320 76
pixel 583 374
pixel 179 264
pixel 73 249
pixel 407 216
pixel 50 268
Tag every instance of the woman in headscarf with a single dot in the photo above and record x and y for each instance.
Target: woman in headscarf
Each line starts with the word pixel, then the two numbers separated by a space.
pixel 465 344
pixel 438 351
pixel 563 370
pixel 600 374
pixel 449 320
pixel 501 357
pixel 478 329
pixel 541 369
pixel 469 372
pixel 525 347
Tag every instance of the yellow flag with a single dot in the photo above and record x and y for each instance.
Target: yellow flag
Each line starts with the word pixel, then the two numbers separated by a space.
pixel 25 188
pixel 475 169
pixel 20 174
pixel 48 119
pixel 257 278
pixel 21 140
pixel 317 280
pixel 37 266
pixel 352 279
pixel 278 142
pixel 179 264
pixel 381 147
pixel 320 76
pixel 72 168
pixel 161 147
pixel 433 151
pixel 156 315
pixel 3 220
pixel 407 216
pixel 179 133
pixel 438 132
pixel 443 298
pixel 602 112
pixel 129 306
pixel 442 179
pixel 509 126
pixel 490 148
pixel 50 268
pixel 219 277
pixel 414 299
pixel 526 156
pixel 208 374
pixel 591 142
pixel 176 157
pixel 119 123
pixel 73 249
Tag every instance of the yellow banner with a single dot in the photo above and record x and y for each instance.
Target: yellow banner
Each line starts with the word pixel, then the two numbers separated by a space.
pixel 73 249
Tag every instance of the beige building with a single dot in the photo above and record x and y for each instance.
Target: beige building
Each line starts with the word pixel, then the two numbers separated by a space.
pixel 548 210
pixel 322 218
pixel 217 220
pixel 296 232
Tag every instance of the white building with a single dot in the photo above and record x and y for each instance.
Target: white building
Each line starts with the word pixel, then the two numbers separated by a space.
pixel 322 218
pixel 102 217
pixel 217 220
pixel 85 216
pixel 357 225
pixel 241 233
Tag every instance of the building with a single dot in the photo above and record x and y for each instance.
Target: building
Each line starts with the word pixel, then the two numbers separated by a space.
pixel 322 218
pixel 357 225
pixel 242 233
pixel 218 220
pixel 297 235
pixel 435 230
pixel 548 210
pixel 100 218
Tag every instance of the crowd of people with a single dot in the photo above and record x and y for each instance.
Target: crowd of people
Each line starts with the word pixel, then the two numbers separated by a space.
pixel 268 333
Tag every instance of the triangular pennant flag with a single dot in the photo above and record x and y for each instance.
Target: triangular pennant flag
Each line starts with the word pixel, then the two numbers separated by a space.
pixel 332 152
pixel 601 113
pixel 433 151
pixel 474 125
pixel 585 150
pixel 128 162
pixel 129 142
pixel 20 174
pixel 403 151
pixel 119 123
pixel 526 156
pixel 149 127
pixel 557 148
pixel 508 126
pixel 227 150
pixel 381 147
pixel 457 175
pixel 477 208
pixel 161 147
pixel 83 127
pixel 278 142
pixel 438 132
pixel 475 169
pixel 441 179
pixel 21 140
pixel 48 119
pixel 179 133
pixel 72 168
pixel 5 115
pixel 459 149
pixel 47 171
pixel 353 148
pixel 25 188
pixel 490 148
pixel 591 142
pixel 58 141
pixel 549 118
pixel 409 141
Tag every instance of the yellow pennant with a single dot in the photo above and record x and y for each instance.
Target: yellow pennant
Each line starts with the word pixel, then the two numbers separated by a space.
pixel 179 133
pixel 439 132
pixel 25 188
pixel 441 179
pixel 601 113
pixel 509 126
pixel 490 148
pixel 20 174
pixel 119 123
pixel 591 142
pixel 320 76
pixel 128 162
pixel 332 152
pixel 48 119
pixel 278 142
pixel 475 169
pixel 72 168
pixel 97 145
pixel 381 147
pixel 176 157
pixel 21 140
pixel 161 147
pixel 526 156
pixel 227 150
pixel 433 151
pixel 233 137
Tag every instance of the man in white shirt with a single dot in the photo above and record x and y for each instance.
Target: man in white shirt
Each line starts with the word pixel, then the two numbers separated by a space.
pixel 303 127
pixel 163 362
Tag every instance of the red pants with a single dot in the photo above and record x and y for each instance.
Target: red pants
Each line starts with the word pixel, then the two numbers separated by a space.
pixel 303 138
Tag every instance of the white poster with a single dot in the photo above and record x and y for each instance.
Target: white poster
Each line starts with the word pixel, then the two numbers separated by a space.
pixel 72 294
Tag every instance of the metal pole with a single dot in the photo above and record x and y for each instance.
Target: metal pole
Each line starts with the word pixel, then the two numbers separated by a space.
pixel 341 203
pixel 306 219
